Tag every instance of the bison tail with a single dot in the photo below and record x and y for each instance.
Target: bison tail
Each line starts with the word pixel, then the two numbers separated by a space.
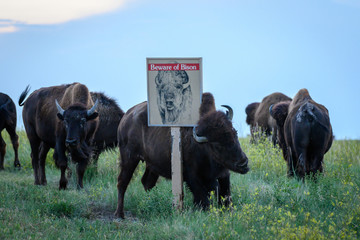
pixel 23 95
pixel 310 110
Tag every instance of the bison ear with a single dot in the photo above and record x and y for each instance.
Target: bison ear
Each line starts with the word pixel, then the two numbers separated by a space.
pixel 60 116
pixel 157 79
pixel 185 77
pixel 92 116
pixel 279 112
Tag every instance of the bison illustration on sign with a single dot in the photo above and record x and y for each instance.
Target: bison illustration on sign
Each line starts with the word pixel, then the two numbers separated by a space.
pixel 174 98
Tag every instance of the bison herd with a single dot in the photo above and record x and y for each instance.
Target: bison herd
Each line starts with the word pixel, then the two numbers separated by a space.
pixel 79 125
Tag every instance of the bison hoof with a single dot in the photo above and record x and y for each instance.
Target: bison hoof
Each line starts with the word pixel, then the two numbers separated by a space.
pixel 17 165
pixel 62 185
pixel 119 214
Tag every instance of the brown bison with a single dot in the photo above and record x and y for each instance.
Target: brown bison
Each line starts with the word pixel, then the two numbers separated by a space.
pixel 208 151
pixel 258 116
pixel 110 115
pixel 8 121
pixel 305 133
pixel 64 118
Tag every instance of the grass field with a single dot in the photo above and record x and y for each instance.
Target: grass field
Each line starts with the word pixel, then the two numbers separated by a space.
pixel 266 204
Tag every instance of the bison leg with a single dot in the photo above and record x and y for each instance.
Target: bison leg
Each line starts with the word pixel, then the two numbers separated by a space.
pixel 128 166
pixel 2 152
pixel 274 137
pixel 316 164
pixel 95 157
pixel 224 190
pixel 61 162
pixel 149 179
pixel 34 144
pixel 302 168
pixel 15 142
pixel 201 189
pixel 44 149
pixel 290 162
pixel 80 170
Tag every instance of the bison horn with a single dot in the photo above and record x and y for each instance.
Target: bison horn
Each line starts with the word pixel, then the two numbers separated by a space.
pixel 92 110
pixel 270 109
pixel 59 108
pixel 229 113
pixel 198 138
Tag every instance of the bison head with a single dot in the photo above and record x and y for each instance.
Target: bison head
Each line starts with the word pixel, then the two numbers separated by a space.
pixel 174 93
pixel 250 113
pixel 74 120
pixel 215 128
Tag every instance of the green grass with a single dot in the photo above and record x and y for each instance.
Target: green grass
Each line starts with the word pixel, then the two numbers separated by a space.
pixel 266 203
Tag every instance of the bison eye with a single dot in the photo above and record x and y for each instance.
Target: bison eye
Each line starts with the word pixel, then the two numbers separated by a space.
pixel 178 86
pixel 82 122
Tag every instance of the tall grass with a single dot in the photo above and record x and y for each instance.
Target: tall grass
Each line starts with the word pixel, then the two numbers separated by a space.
pixel 266 203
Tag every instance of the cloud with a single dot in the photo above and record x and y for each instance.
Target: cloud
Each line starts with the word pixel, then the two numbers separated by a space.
pixel 54 11
pixel 8 29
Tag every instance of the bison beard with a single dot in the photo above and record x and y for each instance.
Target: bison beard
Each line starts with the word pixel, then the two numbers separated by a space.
pixel 206 164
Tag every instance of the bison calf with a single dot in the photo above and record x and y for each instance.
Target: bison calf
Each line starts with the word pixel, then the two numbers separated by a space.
pixel 305 133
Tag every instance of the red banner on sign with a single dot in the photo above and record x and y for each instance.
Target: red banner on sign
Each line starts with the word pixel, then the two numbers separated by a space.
pixel 174 67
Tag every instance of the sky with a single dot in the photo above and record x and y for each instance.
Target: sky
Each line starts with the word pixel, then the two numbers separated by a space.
pixel 250 49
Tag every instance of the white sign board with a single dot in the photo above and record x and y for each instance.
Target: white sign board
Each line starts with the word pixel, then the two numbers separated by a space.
pixel 174 91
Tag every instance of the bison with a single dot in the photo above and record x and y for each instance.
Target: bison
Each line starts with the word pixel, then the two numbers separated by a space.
pixel 209 150
pixel 305 133
pixel 258 116
pixel 64 118
pixel 110 115
pixel 8 121
pixel 173 96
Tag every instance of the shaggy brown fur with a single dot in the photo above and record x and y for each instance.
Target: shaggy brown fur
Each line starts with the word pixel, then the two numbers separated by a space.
pixel 206 165
pixel 262 120
pixel 76 93
pixel 250 113
pixel 207 104
pixel 110 115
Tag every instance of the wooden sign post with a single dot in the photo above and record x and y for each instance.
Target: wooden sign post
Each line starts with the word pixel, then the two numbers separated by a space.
pixel 176 168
